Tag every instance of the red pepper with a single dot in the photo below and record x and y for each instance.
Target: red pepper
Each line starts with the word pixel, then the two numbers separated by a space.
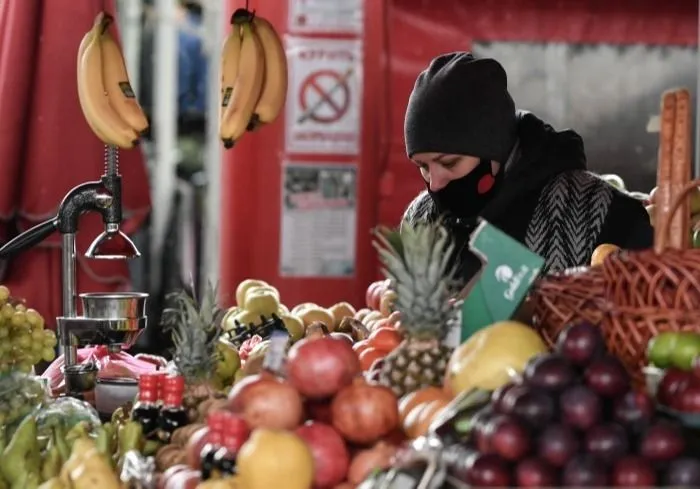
pixel 248 345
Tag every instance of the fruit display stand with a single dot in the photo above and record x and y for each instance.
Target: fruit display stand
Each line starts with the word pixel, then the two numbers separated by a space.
pixel 270 396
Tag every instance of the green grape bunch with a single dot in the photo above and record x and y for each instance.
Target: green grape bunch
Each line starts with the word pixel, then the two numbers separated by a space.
pixel 23 340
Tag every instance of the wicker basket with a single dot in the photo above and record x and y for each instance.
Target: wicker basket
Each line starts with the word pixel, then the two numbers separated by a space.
pixel 567 297
pixel 635 295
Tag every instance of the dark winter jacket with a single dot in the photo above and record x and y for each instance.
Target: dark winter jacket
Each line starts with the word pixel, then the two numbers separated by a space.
pixel 550 202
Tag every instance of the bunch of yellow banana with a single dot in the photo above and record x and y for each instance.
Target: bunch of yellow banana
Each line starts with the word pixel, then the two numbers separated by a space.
pixel 253 76
pixel 106 97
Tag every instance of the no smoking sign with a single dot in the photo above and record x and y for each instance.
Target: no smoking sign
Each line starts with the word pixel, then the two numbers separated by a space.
pixel 324 103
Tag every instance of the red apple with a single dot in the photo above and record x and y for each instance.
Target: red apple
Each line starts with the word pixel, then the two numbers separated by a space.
pixel 673 382
pixel 185 479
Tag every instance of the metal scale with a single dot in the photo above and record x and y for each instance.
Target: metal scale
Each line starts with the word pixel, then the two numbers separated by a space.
pixel 112 319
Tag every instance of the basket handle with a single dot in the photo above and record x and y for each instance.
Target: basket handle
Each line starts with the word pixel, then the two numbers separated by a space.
pixel 677 201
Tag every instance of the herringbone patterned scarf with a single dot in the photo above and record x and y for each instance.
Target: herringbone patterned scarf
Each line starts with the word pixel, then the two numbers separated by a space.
pixel 568 219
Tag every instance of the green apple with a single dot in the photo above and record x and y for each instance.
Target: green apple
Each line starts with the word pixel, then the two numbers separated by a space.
pixel 228 361
pixel 696 238
pixel 687 347
pixel 660 349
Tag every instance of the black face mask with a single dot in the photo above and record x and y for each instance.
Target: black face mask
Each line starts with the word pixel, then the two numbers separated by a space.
pixel 466 197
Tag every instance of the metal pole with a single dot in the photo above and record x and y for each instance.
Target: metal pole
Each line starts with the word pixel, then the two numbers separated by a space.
pixel 214 32
pixel 130 13
pixel 165 127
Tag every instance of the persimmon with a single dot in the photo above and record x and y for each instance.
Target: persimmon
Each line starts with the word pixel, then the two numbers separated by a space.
pixel 411 421
pixel 385 338
pixel 412 399
pixel 369 355
pixel 427 416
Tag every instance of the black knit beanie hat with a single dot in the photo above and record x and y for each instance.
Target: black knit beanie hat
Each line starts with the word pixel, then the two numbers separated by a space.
pixel 461 105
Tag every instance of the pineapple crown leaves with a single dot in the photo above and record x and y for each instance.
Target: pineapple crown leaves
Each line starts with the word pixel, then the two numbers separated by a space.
pixel 184 307
pixel 419 262
pixel 195 328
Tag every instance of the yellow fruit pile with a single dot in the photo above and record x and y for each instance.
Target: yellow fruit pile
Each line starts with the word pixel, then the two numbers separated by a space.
pixel 256 300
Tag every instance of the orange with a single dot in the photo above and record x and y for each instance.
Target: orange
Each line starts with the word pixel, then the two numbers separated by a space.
pixel 385 338
pixel 412 399
pixel 369 355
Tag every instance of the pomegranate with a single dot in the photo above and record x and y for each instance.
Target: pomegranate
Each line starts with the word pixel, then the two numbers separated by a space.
pixel 265 401
pixel 320 368
pixel 318 410
pixel 331 457
pixel 364 413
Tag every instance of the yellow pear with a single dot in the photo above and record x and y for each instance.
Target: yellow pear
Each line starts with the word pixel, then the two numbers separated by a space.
pixel 492 356
pixel 283 310
pixel 227 320
pixel 244 286
pixel 295 326
pixel 371 316
pixel 313 314
pixel 244 318
pixel 258 288
pixel 272 459
pixel 300 307
pixel 262 302
pixel 341 310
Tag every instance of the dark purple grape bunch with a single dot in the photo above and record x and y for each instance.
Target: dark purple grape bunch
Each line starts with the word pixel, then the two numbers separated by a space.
pixel 575 421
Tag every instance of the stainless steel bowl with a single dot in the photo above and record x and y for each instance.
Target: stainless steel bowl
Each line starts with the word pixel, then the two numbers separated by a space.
pixel 113 393
pixel 114 305
pixel 80 378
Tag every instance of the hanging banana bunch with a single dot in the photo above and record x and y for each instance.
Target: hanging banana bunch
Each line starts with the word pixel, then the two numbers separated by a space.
pixel 253 76
pixel 106 98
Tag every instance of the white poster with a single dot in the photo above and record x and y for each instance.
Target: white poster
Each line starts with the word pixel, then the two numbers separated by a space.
pixel 326 16
pixel 319 220
pixel 324 104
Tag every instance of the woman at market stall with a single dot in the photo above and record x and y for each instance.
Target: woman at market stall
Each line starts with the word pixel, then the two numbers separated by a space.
pixel 480 157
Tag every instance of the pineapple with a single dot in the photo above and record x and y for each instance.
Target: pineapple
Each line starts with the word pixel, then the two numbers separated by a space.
pixel 195 331
pixel 418 262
